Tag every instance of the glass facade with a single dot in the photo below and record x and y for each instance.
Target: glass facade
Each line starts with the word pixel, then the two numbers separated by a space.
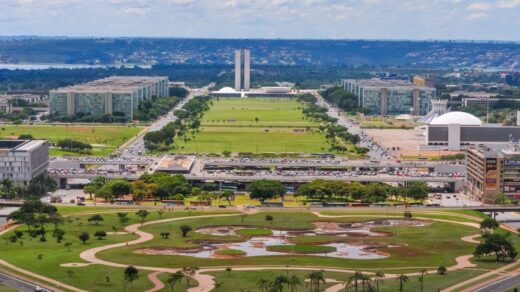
pixel 89 103
pixel 58 103
pixel 122 103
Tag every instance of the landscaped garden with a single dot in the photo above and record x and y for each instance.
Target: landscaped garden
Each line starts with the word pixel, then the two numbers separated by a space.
pixel 367 241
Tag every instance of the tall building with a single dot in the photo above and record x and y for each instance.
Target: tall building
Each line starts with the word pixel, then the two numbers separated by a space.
pixel 492 170
pixel 390 97
pixel 424 81
pixel 23 160
pixel 242 70
pixel 117 95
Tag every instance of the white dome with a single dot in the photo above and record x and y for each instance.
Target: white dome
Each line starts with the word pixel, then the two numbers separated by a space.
pixel 460 118
pixel 227 90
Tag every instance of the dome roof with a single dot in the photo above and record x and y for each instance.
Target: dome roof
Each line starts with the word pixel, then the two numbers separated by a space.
pixel 227 90
pixel 460 118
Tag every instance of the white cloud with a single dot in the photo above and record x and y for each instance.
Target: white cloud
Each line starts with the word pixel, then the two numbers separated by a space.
pixel 477 16
pixel 508 3
pixel 479 6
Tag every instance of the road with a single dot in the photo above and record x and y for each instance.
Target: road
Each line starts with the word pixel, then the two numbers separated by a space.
pixel 376 151
pixel 136 147
pixel 502 285
pixel 18 284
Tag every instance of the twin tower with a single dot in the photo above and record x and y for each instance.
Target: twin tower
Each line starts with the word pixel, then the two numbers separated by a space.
pixel 242 57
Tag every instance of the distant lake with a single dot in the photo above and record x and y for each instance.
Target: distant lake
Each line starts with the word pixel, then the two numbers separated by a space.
pixel 47 66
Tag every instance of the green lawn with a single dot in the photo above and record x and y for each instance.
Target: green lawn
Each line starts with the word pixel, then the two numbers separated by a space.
pixel 104 138
pixel 418 246
pixel 230 125
pixel 45 257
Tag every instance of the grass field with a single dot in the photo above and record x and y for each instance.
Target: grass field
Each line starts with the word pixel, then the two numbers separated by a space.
pixel 414 248
pixel 104 138
pixel 255 125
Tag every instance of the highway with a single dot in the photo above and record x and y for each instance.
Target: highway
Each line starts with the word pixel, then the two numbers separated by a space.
pixel 502 285
pixel 136 147
pixel 18 284
pixel 376 152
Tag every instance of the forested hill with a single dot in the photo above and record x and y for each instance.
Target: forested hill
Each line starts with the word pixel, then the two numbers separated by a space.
pixel 109 51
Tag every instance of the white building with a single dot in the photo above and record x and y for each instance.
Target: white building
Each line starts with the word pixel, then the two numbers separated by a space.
pixel 23 160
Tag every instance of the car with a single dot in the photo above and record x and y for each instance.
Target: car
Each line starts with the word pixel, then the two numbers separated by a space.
pixel 80 204
pixel 249 207
pixel 222 206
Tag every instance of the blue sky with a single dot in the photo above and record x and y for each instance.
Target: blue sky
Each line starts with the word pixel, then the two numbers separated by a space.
pixel 368 19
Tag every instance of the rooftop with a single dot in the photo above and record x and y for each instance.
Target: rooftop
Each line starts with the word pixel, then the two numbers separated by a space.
pixel 390 83
pixel 114 83
pixel 20 145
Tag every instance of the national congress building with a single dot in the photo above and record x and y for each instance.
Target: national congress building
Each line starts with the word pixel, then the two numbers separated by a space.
pixel 117 95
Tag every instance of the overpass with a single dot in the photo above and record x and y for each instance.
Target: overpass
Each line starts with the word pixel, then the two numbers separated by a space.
pixel 88 160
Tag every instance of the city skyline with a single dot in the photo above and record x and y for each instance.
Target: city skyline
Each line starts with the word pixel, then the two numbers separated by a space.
pixel 288 19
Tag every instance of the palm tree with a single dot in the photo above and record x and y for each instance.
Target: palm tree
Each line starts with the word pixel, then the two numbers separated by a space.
pixel 355 279
pixel 174 278
pixel 262 284
pixel 315 279
pixel 365 282
pixel 402 280
pixel 348 285
pixel 218 285
pixel 378 275
pixel 277 285
pixel 294 282
pixel 421 278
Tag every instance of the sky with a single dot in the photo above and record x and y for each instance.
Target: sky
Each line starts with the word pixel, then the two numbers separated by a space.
pixel 316 19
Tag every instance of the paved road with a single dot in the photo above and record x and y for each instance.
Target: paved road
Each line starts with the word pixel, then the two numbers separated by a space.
pixel 376 152
pixel 137 146
pixel 502 285
pixel 17 284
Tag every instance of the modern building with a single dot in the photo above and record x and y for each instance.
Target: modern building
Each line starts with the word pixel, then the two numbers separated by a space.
pixel 493 170
pixel 424 81
pixel 439 107
pixel 242 74
pixel 23 160
pixel 390 97
pixel 117 95
pixel 457 130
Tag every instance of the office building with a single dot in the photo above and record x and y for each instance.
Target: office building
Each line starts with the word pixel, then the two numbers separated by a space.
pixel 117 95
pixel 493 170
pixel 457 130
pixel 424 81
pixel 242 70
pixel 23 160
pixel 390 97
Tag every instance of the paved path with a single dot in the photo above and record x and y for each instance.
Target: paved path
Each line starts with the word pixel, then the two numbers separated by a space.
pixel 457 286
pixel 158 284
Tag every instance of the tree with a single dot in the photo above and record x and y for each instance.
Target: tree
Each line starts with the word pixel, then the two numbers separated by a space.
pixel 227 195
pixel 100 234
pixel 160 213
pixel 131 274
pixel 417 190
pixel 59 234
pixel 269 218
pixel 96 219
pixel 262 284
pixel 265 189
pixel 421 277
pixel 378 275
pixel 185 229
pixel 189 272
pixel 228 270
pixel 498 244
pixel 83 236
pixel 294 282
pixel 355 278
pixel 165 235
pixel 123 218
pixel 315 279
pixel 90 189
pixel 174 278
pixel 142 214
pixel 117 188
pixel 218 285
pixel 489 224
pixel 402 280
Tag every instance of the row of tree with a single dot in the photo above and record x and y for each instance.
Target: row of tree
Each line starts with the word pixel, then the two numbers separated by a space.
pixel 343 99
pixel 188 120
pixel 323 190
pixel 74 146
pixel 36 188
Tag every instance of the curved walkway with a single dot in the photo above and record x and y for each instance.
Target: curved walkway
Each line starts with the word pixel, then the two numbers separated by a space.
pixel 158 284
pixel 206 282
